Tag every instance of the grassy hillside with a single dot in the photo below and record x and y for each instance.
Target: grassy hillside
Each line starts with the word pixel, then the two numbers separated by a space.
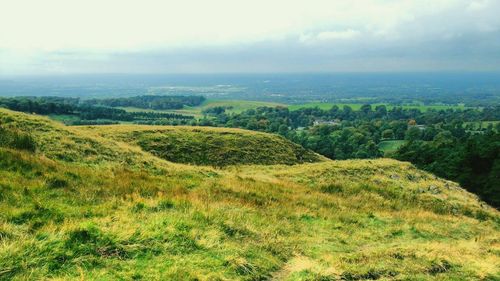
pixel 70 144
pixel 209 146
pixel 128 215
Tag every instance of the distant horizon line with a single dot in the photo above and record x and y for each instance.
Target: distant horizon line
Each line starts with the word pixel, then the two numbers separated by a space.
pixel 255 73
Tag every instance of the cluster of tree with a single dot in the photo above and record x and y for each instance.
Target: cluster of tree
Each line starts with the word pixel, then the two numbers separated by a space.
pixel 271 118
pixel 472 160
pixel 308 125
pixel 40 105
pixel 150 102
pixel 216 110
pixel 338 142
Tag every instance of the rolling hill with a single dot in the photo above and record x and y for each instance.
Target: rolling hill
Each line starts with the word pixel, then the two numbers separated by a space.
pixel 209 146
pixel 105 203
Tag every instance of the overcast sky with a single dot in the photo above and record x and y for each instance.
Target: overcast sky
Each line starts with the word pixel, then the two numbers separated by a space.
pixel 179 36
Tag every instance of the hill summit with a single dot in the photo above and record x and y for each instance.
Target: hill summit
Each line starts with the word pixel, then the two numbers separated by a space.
pixel 210 146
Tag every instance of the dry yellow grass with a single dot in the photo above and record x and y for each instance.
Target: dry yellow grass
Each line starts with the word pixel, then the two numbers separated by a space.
pixel 122 213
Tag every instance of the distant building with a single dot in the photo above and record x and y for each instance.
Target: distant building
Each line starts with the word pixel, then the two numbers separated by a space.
pixel 335 122
pixel 420 127
pixel 413 123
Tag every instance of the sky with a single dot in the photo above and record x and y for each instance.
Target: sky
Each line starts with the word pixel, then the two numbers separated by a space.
pixel 254 36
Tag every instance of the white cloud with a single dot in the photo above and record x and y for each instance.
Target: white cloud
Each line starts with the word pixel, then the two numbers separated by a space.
pixel 326 36
pixel 334 35
pixel 36 34
pixel 478 5
pixel 146 24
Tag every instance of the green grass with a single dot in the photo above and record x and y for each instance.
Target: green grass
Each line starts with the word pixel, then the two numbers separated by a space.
pixel 238 106
pixel 112 211
pixel 64 118
pixel 390 146
pixel 210 146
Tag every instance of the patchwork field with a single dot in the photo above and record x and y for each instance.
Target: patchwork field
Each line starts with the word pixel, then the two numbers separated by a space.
pixel 237 106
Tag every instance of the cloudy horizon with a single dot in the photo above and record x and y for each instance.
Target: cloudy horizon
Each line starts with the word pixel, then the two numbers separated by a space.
pixel 152 36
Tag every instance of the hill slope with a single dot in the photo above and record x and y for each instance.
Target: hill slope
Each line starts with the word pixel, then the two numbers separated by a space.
pixel 210 146
pixel 97 217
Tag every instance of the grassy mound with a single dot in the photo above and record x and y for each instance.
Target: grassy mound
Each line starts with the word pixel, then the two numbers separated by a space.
pixel 210 146
pixel 99 218
pixel 68 144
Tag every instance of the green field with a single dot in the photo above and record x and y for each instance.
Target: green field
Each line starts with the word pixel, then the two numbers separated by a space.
pixel 64 118
pixel 390 146
pixel 237 106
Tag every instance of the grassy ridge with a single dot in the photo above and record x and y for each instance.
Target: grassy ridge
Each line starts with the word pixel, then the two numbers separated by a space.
pixel 210 146
pixel 70 144
pixel 101 218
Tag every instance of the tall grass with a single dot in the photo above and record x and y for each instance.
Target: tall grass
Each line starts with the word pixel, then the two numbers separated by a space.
pixel 131 216
pixel 16 140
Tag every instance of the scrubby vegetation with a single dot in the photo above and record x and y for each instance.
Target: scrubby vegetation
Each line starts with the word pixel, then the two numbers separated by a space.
pixel 109 210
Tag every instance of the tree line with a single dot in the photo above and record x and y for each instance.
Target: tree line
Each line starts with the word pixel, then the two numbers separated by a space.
pixel 150 102
pixel 88 114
